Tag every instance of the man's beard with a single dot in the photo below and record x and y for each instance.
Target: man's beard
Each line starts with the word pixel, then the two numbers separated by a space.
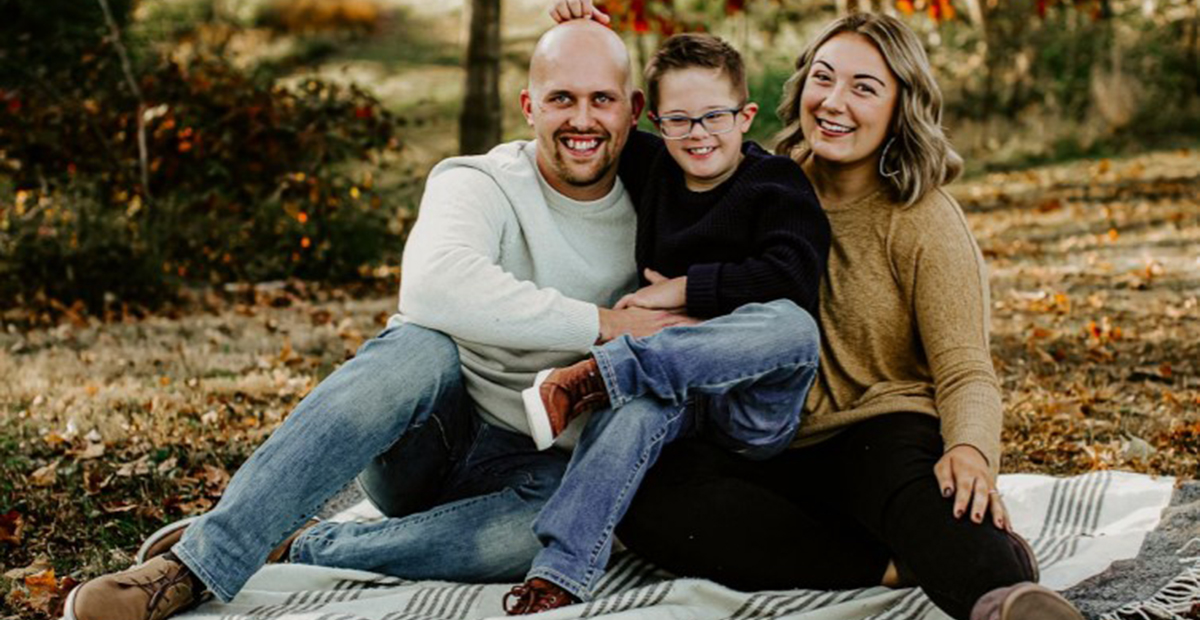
pixel 571 175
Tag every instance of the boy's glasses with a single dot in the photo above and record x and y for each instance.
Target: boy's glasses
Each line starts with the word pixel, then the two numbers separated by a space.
pixel 679 126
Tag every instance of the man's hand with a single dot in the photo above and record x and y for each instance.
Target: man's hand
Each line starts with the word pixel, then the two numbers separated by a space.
pixel 663 293
pixel 566 10
pixel 963 473
pixel 638 322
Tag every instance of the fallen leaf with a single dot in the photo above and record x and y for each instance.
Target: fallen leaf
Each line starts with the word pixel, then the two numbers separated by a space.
pixel 199 505
pixel 139 467
pixel 1136 448
pixel 92 451
pixel 12 524
pixel 45 476
pixel 94 481
pixel 215 478
pixel 117 507
pixel 167 465
pixel 39 564
pixel 43 591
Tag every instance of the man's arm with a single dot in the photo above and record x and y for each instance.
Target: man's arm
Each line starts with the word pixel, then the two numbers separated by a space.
pixel 452 282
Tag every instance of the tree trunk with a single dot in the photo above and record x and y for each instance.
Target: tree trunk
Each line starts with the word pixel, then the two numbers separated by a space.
pixel 479 126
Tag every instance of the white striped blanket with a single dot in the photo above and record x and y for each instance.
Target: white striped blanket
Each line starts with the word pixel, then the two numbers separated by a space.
pixel 1078 527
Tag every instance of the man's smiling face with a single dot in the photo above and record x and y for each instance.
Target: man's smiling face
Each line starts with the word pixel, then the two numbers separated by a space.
pixel 581 105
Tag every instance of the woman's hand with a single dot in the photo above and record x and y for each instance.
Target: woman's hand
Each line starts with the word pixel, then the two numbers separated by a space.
pixel 962 472
pixel 663 293
pixel 566 10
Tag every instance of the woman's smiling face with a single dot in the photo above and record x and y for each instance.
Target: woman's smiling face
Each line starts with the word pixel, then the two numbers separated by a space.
pixel 849 97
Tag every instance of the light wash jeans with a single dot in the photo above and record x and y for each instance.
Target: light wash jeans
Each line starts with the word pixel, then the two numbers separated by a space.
pixel 462 494
pixel 740 379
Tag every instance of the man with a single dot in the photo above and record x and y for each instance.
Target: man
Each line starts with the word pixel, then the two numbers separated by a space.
pixel 517 256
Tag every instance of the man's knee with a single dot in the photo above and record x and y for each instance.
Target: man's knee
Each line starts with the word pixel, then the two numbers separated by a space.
pixel 397 377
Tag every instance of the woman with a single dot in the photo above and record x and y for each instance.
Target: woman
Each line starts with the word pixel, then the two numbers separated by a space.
pixel 892 477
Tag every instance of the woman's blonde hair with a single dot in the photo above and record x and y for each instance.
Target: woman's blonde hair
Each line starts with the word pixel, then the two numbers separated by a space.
pixel 920 158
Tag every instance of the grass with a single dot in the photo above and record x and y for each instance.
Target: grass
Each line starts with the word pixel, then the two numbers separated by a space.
pixel 1096 340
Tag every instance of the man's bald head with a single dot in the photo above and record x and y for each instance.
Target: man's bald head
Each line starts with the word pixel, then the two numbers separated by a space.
pixel 569 45
pixel 581 104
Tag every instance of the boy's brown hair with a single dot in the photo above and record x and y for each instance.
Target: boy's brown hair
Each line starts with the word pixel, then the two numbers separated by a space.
pixel 693 49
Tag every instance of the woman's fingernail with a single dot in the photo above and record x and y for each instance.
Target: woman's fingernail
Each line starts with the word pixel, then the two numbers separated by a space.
pixel 958 514
pixel 947 491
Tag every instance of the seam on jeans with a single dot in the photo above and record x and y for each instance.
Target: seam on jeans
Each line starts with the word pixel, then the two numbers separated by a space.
pixel 794 366
pixel 464 463
pixel 610 523
pixel 581 591
pixel 441 431
pixel 609 374
pixel 202 574
pixel 438 511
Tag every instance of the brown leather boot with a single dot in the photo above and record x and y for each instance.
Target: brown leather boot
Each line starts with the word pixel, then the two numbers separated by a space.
pixel 559 395
pixel 158 589
pixel 1025 550
pixel 1024 601
pixel 536 595
pixel 161 541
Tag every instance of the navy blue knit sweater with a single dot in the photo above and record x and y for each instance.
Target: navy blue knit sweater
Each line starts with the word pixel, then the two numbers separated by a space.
pixel 759 236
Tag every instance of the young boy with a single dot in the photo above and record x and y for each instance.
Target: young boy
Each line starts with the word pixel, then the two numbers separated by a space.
pixel 726 232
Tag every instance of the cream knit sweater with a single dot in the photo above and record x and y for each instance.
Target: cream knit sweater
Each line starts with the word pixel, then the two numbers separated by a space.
pixel 513 271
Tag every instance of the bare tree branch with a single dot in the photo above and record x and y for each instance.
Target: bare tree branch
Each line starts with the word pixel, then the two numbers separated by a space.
pixel 127 67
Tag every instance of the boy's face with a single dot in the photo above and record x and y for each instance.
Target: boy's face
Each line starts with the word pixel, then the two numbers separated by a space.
pixel 707 159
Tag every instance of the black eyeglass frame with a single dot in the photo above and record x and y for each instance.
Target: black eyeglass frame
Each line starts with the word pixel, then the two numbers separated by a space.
pixel 696 120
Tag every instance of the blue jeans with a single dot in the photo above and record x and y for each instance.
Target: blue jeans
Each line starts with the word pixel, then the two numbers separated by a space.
pixel 461 494
pixel 740 379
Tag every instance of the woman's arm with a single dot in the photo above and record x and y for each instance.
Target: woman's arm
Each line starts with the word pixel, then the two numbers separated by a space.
pixel 939 263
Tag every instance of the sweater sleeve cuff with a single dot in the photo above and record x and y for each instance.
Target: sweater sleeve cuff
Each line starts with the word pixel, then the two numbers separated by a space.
pixel 581 325
pixel 702 290
pixel 981 432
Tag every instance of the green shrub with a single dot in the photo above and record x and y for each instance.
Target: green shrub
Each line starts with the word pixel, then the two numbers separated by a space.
pixel 247 181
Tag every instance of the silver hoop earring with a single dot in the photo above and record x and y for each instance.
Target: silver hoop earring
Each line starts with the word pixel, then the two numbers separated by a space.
pixel 883 157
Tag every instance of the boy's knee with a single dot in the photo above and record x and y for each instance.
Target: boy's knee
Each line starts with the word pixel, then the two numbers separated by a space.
pixel 798 319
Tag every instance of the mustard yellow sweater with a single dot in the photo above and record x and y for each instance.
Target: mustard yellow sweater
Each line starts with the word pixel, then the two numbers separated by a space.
pixel 904 320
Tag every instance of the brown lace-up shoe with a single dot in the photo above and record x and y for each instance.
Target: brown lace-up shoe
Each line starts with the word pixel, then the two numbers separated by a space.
pixel 161 541
pixel 1024 601
pixel 560 394
pixel 155 590
pixel 536 595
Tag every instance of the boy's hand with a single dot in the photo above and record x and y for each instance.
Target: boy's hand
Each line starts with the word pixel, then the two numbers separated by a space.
pixel 663 293
pixel 637 322
pixel 566 10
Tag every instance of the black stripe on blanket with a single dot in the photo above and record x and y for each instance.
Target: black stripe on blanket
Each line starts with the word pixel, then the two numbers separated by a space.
pixel 1074 511
pixel 637 598
pixel 444 602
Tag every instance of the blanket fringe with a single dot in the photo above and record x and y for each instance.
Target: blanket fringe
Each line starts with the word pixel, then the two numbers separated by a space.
pixel 1180 598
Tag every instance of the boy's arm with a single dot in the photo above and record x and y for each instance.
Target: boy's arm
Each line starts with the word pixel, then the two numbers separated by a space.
pixel 452 282
pixel 793 241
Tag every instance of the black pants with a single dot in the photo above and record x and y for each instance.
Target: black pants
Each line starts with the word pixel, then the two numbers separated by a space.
pixel 829 516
